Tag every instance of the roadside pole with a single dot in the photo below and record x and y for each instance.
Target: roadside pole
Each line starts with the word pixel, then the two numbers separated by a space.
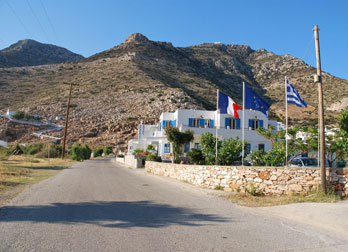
pixel 317 79
pixel 67 118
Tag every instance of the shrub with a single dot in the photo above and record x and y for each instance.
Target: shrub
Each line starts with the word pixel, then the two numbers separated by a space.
pixel 136 151
pixel 98 152
pixel 150 147
pixel 253 190
pixel 80 152
pixel 18 115
pixel 152 157
pixel 120 155
pixel 195 156
pixel 108 150
pixel 33 149
pixel 50 151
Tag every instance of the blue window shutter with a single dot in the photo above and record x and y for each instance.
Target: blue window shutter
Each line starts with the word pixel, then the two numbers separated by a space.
pixel 261 123
pixel 201 122
pixel 227 122
pixel 211 123
pixel 190 122
pixel 160 127
pixel 164 124
pixel 238 123
pixel 250 123
pixel 174 123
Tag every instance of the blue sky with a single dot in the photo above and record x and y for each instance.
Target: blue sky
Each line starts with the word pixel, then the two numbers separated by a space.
pixel 89 26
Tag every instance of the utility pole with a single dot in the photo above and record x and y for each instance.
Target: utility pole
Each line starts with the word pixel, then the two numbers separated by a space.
pixel 318 79
pixel 67 118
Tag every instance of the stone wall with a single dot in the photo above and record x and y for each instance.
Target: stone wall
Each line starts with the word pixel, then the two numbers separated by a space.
pixel 269 180
pixel 132 161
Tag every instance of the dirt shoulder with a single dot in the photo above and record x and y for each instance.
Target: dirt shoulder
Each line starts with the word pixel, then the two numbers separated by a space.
pixel 18 172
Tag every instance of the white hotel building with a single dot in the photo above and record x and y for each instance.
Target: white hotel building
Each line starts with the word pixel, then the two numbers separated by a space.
pixel 201 122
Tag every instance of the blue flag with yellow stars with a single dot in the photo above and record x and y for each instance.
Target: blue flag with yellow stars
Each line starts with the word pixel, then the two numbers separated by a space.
pixel 253 101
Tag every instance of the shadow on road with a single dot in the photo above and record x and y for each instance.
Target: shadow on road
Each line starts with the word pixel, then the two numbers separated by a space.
pixel 121 214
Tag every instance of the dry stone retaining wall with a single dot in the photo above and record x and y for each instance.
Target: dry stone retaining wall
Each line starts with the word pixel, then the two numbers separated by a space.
pixel 269 180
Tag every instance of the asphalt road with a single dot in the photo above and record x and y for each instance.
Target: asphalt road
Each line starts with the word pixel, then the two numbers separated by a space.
pixel 102 206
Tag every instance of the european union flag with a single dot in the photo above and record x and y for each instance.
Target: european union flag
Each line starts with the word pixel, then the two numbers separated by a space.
pixel 253 101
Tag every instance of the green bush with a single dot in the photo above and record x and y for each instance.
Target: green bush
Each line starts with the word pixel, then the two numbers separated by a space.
pixel 98 152
pixel 152 157
pixel 136 151
pixel 18 115
pixel 120 155
pixel 195 156
pixel 80 152
pixel 33 149
pixel 50 150
pixel 108 150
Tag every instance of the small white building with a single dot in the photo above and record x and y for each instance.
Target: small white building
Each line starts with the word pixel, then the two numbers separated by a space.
pixel 3 143
pixel 9 113
pixel 201 122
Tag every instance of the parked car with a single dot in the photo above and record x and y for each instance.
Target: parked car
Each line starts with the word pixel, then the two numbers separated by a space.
pixel 341 163
pixel 304 162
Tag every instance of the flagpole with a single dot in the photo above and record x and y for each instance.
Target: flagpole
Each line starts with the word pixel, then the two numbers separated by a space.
pixel 216 133
pixel 286 125
pixel 243 124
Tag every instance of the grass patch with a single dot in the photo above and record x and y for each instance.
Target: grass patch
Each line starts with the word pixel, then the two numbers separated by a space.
pixel 219 187
pixel 246 199
pixel 16 172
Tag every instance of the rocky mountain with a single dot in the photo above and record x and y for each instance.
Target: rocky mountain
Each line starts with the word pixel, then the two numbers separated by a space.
pixel 139 79
pixel 32 53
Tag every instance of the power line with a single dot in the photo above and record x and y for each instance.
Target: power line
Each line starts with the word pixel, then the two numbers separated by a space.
pixel 307 49
pixel 37 19
pixel 20 21
pixel 49 21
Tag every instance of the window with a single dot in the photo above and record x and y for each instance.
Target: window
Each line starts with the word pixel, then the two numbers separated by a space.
pixel 186 147
pixel 195 123
pixel 248 148
pixel 262 147
pixel 207 123
pixel 255 124
pixel 167 148
pixel 197 146
pixel 232 123
pixel 167 124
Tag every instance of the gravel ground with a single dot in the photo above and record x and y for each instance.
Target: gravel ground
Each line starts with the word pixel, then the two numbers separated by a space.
pixel 98 205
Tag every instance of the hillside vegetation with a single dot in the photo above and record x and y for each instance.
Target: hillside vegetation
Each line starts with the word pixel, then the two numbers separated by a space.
pixel 140 79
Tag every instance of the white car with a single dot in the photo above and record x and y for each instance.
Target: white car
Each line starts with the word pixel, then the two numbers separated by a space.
pixel 304 162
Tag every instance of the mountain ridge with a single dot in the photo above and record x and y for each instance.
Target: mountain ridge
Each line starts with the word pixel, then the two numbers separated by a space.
pixel 29 52
pixel 139 79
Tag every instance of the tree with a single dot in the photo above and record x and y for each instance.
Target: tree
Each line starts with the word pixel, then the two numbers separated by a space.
pixel 333 147
pixel 273 157
pixel 230 151
pixel 195 156
pixel 343 121
pixel 343 124
pixel 268 133
pixel 208 147
pixel 178 139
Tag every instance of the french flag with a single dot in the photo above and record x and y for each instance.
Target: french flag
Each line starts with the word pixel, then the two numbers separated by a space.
pixel 227 106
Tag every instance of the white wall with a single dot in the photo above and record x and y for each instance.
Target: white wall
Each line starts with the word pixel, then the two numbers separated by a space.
pixel 3 143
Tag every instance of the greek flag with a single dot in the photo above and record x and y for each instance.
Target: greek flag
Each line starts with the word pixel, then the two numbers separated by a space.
pixel 293 96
